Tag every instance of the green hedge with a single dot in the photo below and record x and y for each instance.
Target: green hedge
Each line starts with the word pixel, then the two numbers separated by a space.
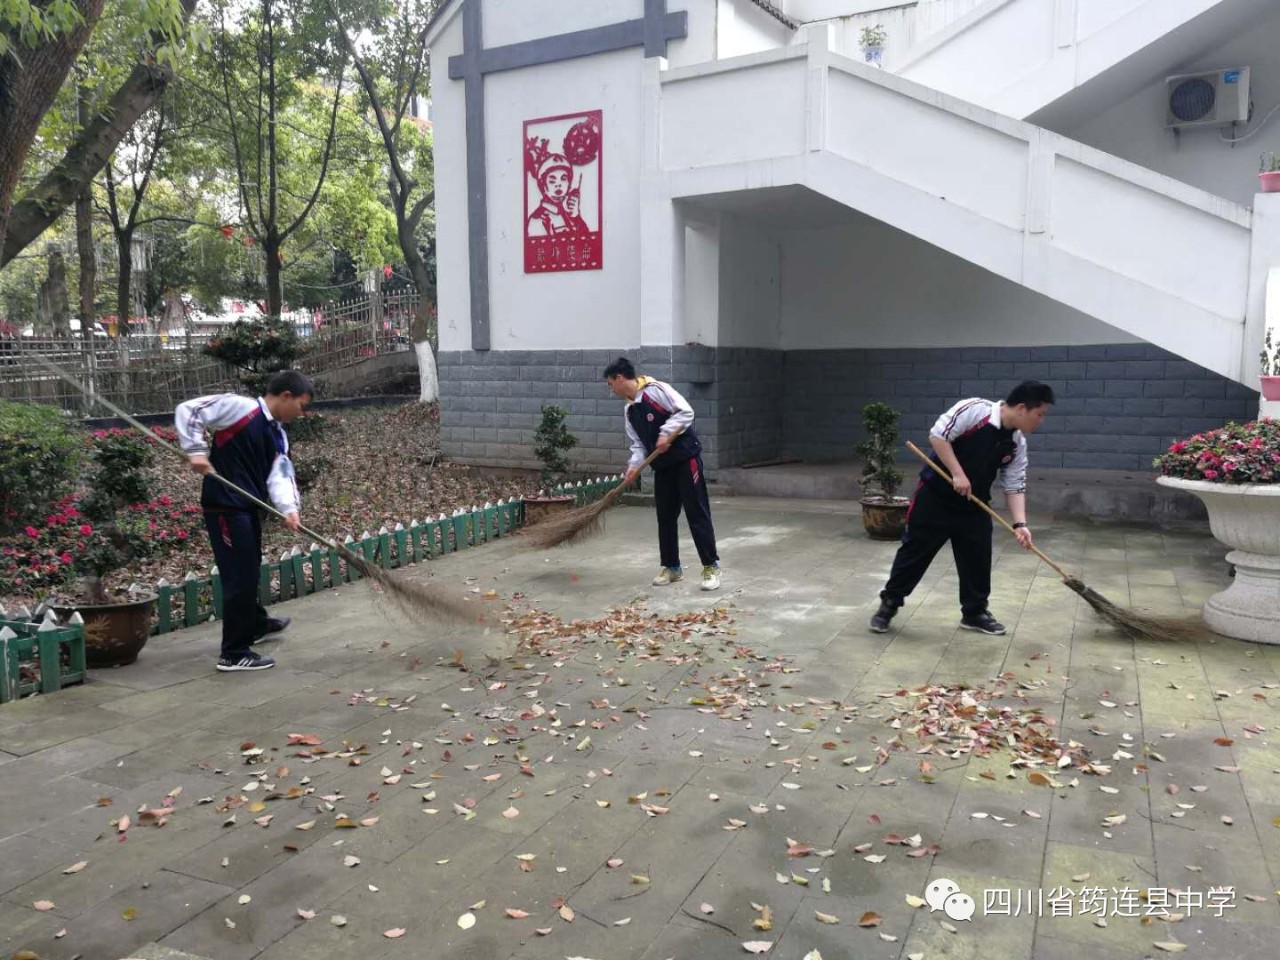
pixel 40 456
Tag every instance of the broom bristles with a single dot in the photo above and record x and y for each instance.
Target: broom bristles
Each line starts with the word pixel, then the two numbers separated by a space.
pixel 414 600
pixel 1137 625
pixel 573 526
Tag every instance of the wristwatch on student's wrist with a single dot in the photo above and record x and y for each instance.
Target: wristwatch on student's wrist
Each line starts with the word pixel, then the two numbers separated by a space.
pixel 1019 525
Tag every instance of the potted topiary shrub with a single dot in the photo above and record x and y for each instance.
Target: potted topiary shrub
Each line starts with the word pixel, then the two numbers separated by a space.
pixel 115 531
pixel 1269 380
pixel 884 513
pixel 552 443
pixel 872 40
pixel 1269 175
pixel 1235 471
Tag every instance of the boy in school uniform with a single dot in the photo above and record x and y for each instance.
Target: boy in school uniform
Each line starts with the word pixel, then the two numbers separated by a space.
pixel 658 418
pixel 977 441
pixel 251 449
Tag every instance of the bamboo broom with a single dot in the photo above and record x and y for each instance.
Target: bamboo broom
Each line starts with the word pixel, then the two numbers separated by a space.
pixel 1135 625
pixel 582 523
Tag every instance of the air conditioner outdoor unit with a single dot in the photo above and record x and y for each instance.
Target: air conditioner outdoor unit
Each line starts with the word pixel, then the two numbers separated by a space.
pixel 1214 99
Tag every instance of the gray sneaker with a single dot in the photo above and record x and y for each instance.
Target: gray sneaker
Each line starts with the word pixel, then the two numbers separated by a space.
pixel 250 661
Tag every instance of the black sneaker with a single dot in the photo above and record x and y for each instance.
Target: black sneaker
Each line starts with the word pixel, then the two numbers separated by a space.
pixel 271 628
pixel 983 623
pixel 250 661
pixel 880 621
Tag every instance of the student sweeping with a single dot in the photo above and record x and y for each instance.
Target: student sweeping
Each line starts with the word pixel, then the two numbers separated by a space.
pixel 976 441
pixel 659 419
pixel 251 450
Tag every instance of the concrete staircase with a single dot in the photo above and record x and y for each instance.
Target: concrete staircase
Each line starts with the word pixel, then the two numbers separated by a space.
pixel 1161 260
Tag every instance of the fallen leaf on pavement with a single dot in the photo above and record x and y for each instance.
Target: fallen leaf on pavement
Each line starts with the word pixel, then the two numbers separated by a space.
pixel 467 921
pixel 76 867
pixel 306 914
pixel 394 933
pixel 870 919
pixel 757 946
pixel 44 905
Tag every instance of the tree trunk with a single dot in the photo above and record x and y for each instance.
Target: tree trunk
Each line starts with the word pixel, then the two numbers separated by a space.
pixel 88 262
pixel 420 332
pixel 420 327
pixel 124 279
pixel 275 298
pixel 30 78
pixel 84 237
pixel 87 154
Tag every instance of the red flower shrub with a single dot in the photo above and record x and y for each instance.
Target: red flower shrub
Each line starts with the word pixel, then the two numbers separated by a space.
pixel 1236 453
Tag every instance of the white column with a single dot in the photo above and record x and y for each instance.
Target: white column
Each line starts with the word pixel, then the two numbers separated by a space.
pixel 1263 309
pixel 661 233
pixel 1271 408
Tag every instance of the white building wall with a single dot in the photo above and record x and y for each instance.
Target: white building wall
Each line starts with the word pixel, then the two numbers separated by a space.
pixel 448 105
pixel 750 270
pixel 743 27
pixel 868 285
pixel 1134 129
pixel 905 24
pixel 578 309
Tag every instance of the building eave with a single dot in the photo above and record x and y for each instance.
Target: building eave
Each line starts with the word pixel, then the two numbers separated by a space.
pixel 448 9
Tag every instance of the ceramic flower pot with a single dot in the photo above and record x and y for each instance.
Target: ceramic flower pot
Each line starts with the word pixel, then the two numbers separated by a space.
pixel 885 519
pixel 114 633
pixel 1245 517
pixel 1270 387
pixel 1270 181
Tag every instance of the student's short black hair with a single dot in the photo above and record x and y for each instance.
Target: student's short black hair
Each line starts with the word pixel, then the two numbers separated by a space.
pixel 290 381
pixel 1031 392
pixel 622 367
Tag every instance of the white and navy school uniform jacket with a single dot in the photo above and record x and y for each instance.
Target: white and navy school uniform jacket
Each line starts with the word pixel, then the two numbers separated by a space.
pixel 250 448
pixel 986 450
pixel 660 410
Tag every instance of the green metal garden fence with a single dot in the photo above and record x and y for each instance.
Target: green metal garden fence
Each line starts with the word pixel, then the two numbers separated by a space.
pixel 55 652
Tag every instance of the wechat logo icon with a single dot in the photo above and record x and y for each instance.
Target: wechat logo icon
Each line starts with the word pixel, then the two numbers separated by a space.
pixel 945 895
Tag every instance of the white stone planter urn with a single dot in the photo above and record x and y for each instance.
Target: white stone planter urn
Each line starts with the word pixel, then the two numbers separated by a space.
pixel 1245 517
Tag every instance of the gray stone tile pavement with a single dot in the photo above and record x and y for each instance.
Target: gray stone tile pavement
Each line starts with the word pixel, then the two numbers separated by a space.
pixel 737 784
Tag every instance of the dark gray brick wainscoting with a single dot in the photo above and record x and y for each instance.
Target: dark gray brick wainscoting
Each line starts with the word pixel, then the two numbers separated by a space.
pixel 1118 405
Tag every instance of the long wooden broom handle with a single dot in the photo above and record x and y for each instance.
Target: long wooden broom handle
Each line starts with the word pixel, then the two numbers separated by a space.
pixel 942 471
pixel 173 448
pixel 655 455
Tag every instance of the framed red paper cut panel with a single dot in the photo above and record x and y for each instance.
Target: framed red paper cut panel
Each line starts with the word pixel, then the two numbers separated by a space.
pixel 563 193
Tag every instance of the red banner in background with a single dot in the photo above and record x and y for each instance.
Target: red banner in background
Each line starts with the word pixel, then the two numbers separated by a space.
pixel 563 193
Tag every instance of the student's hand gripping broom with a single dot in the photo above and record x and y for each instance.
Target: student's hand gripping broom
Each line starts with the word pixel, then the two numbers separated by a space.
pixel 1135 625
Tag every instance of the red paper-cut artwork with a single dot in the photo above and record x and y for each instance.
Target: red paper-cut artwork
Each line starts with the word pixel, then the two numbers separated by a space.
pixel 563 193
